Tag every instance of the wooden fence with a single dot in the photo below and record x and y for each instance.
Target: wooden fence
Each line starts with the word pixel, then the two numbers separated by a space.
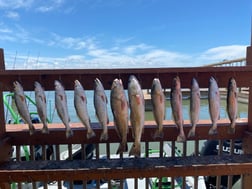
pixel 121 168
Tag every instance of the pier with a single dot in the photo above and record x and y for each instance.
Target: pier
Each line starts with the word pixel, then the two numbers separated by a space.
pixel 109 169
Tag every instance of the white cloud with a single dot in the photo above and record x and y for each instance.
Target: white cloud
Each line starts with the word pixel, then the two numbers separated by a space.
pixel 106 58
pixel 218 54
pixel 15 4
pixel 12 15
pixel 47 6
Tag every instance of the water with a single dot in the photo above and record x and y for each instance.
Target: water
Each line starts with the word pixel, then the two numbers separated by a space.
pixel 204 113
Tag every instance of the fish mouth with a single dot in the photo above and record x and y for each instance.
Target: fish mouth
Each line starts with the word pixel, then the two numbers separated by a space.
pixel 57 83
pixel 132 77
pixel 176 82
pixel 115 83
pixel 16 83
pixel 36 84
pixel 76 83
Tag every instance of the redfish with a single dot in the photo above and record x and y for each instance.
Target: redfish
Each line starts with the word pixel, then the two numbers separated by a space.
pixel 40 99
pixel 119 106
pixel 21 105
pixel 137 110
pixel 100 104
pixel 61 107
pixel 214 105
pixel 176 106
pixel 158 104
pixel 194 106
pixel 80 104
pixel 232 104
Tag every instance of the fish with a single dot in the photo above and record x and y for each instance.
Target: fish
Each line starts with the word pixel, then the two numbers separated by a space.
pixel 176 106
pixel 80 104
pixel 119 107
pixel 194 106
pixel 21 105
pixel 137 111
pixel 101 111
pixel 232 104
pixel 158 104
pixel 40 100
pixel 61 107
pixel 214 105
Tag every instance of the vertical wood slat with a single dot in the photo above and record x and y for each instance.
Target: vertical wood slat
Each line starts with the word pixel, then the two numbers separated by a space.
pixel 218 178
pixel 230 177
pixel 247 179
pixel 57 156
pixel 196 153
pixel 97 154
pixel 184 154
pixel 146 155
pixel 83 157
pixel 2 118
pixel 173 146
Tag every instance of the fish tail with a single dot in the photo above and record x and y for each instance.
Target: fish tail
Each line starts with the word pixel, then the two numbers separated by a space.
pixel 213 130
pixel 181 138
pixel 90 133
pixel 69 132
pixel 104 136
pixel 45 129
pixel 191 133
pixel 159 133
pixel 31 129
pixel 123 147
pixel 135 150
pixel 231 129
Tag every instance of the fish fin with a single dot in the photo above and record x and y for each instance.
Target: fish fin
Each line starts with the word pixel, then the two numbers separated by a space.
pixel 104 136
pixel 135 150
pixel 191 133
pixel 90 133
pixel 69 133
pixel 123 104
pixel 83 98
pixel 123 147
pixel 158 134
pixel 161 99
pixel 22 98
pixel 104 99
pixel 45 129
pixel 61 97
pixel 213 131
pixel 138 99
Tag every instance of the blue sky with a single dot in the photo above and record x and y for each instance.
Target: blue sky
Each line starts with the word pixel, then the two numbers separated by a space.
pixel 122 33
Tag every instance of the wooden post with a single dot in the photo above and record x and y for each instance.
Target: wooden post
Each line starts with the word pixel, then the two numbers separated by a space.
pixel 247 141
pixel 5 155
pixel 2 119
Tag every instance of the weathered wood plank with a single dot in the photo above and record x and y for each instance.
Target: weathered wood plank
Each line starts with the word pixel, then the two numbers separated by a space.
pixel 145 76
pixel 132 168
pixel 19 133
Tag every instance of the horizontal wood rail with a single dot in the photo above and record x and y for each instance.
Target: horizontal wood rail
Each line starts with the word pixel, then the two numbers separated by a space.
pixel 19 134
pixel 132 168
pixel 145 76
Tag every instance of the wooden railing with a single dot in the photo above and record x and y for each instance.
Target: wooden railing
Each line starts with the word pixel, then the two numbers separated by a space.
pixel 121 168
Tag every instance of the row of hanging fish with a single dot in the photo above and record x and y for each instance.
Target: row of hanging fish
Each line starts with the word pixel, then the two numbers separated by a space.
pixel 120 106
